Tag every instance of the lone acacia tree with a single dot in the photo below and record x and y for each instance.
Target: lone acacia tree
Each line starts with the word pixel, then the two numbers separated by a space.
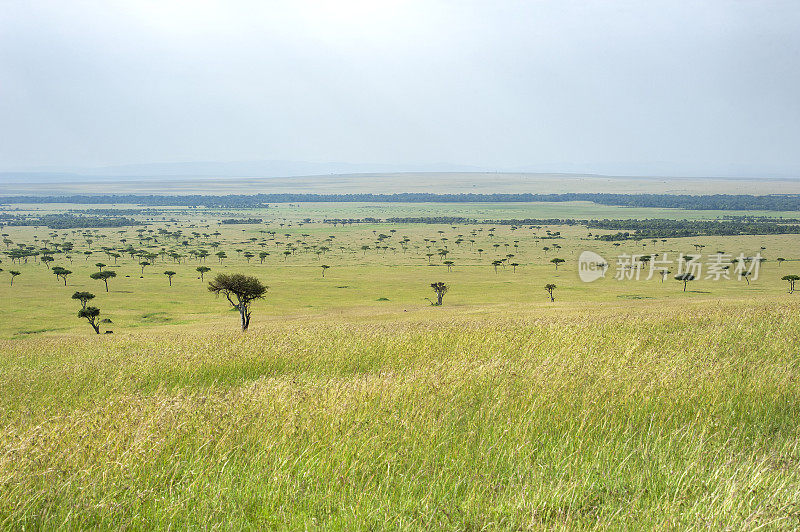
pixel 550 287
pixel 202 270
pixel 791 279
pixel 83 297
pixel 243 288
pixel 103 276
pixel 169 274
pixel 324 267
pixel 13 273
pixel 91 314
pixel 685 277
pixel 557 261
pixel 441 289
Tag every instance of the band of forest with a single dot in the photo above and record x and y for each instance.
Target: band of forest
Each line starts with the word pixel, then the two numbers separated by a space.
pixel 625 229
pixel 722 202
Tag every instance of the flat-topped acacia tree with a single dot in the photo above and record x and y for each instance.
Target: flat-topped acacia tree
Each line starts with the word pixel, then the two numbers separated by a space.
pixel 169 274
pixel 13 273
pixel 241 288
pixel 61 273
pixel 791 279
pixel 685 278
pixel 83 297
pixel 202 270
pixel 103 276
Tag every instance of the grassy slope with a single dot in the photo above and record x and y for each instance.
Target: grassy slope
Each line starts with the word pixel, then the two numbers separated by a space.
pixel 678 415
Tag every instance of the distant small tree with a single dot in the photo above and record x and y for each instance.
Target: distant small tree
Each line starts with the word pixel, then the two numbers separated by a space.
pixel 514 265
pixel 144 264
pixel 557 261
pixel 441 289
pixel 103 276
pixel 685 278
pixel 746 276
pixel 550 287
pixel 449 264
pixel 91 314
pixel 169 274
pixel 13 273
pixel 100 266
pixel 83 297
pixel 202 270
pixel 263 255
pixel 496 263
pixel 780 260
pixel 243 288
pixel 791 279
pixel 324 267
pixel 61 273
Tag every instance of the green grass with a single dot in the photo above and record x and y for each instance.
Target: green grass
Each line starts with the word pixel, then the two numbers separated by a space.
pixel 677 417
pixel 353 404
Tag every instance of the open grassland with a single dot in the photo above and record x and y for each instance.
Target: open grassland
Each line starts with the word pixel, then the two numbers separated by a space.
pixel 353 404
pixel 367 276
pixel 681 415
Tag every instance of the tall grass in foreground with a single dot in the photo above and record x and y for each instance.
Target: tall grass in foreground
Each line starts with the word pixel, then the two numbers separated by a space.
pixel 577 421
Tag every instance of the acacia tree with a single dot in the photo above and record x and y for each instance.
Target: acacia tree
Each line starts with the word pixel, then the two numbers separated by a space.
pixel 791 279
pixel 449 264
pixel 244 289
pixel 202 270
pixel 169 274
pixel 441 289
pixel 496 263
pixel 550 287
pixel 685 277
pixel 61 273
pixel 324 267
pixel 557 261
pixel 144 264
pixel 91 314
pixel 83 297
pixel 13 273
pixel 103 276
pixel 779 260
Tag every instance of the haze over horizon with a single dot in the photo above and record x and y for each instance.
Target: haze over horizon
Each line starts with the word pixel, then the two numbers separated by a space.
pixel 616 88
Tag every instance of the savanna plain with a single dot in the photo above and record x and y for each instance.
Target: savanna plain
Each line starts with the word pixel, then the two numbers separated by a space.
pixel 636 401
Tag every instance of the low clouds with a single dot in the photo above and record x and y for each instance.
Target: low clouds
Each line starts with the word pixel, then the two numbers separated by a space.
pixel 616 87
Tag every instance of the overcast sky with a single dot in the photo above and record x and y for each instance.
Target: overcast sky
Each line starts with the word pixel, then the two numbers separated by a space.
pixel 707 87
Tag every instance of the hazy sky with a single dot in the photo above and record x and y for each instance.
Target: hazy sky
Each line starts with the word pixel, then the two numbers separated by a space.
pixel 645 86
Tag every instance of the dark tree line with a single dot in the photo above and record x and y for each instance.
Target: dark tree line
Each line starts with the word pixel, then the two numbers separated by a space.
pixel 663 228
pixel 745 202
pixel 67 221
